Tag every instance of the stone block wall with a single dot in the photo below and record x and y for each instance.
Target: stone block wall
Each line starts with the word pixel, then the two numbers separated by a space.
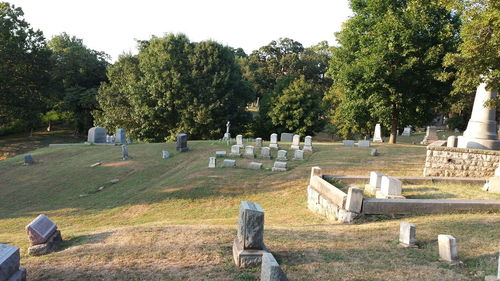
pixel 460 162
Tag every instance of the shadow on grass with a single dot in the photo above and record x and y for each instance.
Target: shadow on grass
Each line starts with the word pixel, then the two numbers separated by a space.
pixel 84 239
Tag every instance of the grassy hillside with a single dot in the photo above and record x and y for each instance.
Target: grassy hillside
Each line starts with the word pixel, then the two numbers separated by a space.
pixel 175 219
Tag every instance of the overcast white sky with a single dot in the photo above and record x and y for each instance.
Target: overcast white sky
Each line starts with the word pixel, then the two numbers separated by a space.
pixel 111 25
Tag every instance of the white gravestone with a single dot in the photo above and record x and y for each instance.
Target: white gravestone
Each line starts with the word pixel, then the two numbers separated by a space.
pixel 235 150
pixel 265 153
pixel 124 152
pixel 258 142
pixel 227 135
pixel 451 141
pixel 279 166
pixel 298 155
pixel 255 165
pixel 447 248
pixel 239 141
pixel 377 135
pixel 295 142
pixel 375 183
pixel 308 143
pixel 286 137
pixel 249 151
pixel 406 132
pixel 212 162
pixel 165 154
pixel 229 163
pixel 390 188
pixel 222 153
pixel 407 234
pixel 274 141
pixel 282 155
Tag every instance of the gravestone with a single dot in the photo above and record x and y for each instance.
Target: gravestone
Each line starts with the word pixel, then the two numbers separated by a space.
pixel 28 160
pixel 451 141
pixel 227 135
pixel 270 269
pixel 239 141
pixel 43 235
pixel 374 152
pixel 447 248
pixel 258 142
pixel 112 139
pixel 120 136
pixel 212 162
pixel 493 184
pixel 375 183
pixel 9 264
pixel 364 143
pixel 377 135
pixel 390 188
pixel 274 141
pixel 235 151
pixel 430 135
pixel 124 152
pixel 181 144
pixel 354 200
pixel 298 155
pixel 406 132
pixel 308 143
pixel 295 142
pixel 96 135
pixel 407 235
pixel 165 154
pixel 108 138
pixel 348 142
pixel 280 166
pixel 248 247
pixel 255 165
pixel 265 153
pixel 249 151
pixel 222 153
pixel 229 163
pixel 286 137
pixel 281 155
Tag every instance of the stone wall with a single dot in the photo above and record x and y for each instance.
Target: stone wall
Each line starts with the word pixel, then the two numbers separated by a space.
pixel 460 162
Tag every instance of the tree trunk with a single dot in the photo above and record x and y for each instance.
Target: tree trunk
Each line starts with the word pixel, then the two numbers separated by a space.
pixel 394 124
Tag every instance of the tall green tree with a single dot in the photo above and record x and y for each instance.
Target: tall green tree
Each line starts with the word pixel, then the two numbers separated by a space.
pixel 389 62
pixel 24 69
pixel 76 74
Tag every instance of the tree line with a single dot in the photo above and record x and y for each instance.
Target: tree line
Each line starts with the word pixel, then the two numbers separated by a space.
pixel 397 62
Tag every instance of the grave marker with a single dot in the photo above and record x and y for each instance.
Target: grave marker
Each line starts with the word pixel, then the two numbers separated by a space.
pixel 43 235
pixel 295 142
pixel 181 144
pixel 258 142
pixel 96 135
pixel 229 163
pixel 28 160
pixel 212 162
pixel 281 155
pixel 255 165
pixel 239 141
pixel 406 132
pixel 120 136
pixel 249 151
pixel 348 142
pixel 270 269
pixel 286 137
pixel 248 247
pixel 307 144
pixel 274 141
pixel 279 166
pixel 298 155
pixel 265 153
pixel 447 248
pixel 451 141
pixel 407 235
pixel 124 152
pixel 430 135
pixel 390 188
pixel 222 153
pixel 235 150
pixel 364 143
pixel 9 264
pixel 377 135
pixel 165 154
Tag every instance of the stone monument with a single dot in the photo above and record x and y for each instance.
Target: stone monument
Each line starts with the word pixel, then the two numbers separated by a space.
pixel 96 135
pixel 286 137
pixel 248 247
pixel 430 135
pixel 181 144
pixel 28 160
pixel 377 135
pixel 298 154
pixel 481 132
pixel 270 269
pixel 447 248
pixel 249 151
pixel 212 162
pixel 279 166
pixel 9 264
pixel 227 135
pixel 239 141
pixel 235 151
pixel 258 142
pixel 274 141
pixel 295 142
pixel 124 152
pixel 406 132
pixel 43 235
pixel 282 155
pixel 121 136
pixel 451 141
pixel 265 153
pixel 407 235
pixel 229 163
pixel 308 143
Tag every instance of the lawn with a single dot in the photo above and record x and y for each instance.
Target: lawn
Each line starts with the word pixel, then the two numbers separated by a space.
pixel 175 219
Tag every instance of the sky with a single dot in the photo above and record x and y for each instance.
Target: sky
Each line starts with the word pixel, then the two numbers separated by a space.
pixel 112 26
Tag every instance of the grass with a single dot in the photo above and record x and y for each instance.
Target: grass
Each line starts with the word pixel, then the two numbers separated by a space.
pixel 175 219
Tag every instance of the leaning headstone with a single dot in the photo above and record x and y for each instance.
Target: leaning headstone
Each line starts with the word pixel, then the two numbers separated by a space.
pixel 222 153
pixel 248 247
pixel 451 141
pixel 265 153
pixel 270 269
pixel 374 152
pixel 96 135
pixel 249 151
pixel 212 162
pixel 229 163
pixel 274 141
pixel 364 143
pixel 308 143
pixel 43 235
pixel 280 166
pixel 406 132
pixel 258 142
pixel 348 142
pixel 298 155
pixel 447 248
pixel 239 141
pixel 281 155
pixel 120 136
pixel 255 165
pixel 10 261
pixel 235 151
pixel 286 137
pixel 377 135
pixel 390 188
pixel 124 152
pixel 375 183
pixel 407 235
pixel 295 142
pixel 430 135
pixel 165 154
pixel 28 160
pixel 181 144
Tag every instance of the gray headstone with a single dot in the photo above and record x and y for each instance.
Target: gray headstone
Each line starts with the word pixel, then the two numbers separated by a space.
pixel 282 155
pixel 97 135
pixel 9 261
pixel 407 234
pixel 229 163
pixel 181 144
pixel 221 153
pixel 265 153
pixel 124 152
pixel 447 248
pixel 406 132
pixel 270 269
pixel 251 226
pixel 249 151
pixel 120 136
pixel 28 160
pixel 308 143
pixel 374 152
pixel 258 142
pixel 286 137
pixel 239 141
pixel 274 141
pixel 354 199
pixel 235 150
pixel 40 229
pixel 364 143
pixel 165 154
pixel 298 155
pixel 255 165
pixel 348 142
pixel 280 166
pixel 212 162
pixel 295 142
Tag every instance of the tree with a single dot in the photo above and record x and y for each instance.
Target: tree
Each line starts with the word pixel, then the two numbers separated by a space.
pixel 77 72
pixel 172 86
pixel 24 66
pixel 389 61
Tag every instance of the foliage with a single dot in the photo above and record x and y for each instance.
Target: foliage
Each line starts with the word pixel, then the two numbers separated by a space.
pixel 387 66
pixel 172 86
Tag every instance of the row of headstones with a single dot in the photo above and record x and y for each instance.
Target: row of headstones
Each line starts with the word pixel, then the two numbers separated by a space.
pixel 265 153
pixel 361 143
pixel 99 135
pixel 248 246
pixel 384 187
pixel 231 163
pixel 295 139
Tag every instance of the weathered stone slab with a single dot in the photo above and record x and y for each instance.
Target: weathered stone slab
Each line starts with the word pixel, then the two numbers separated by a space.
pixel 374 152
pixel 375 183
pixel 271 270
pixel 239 141
pixel 307 144
pixel 251 226
pixel 212 162
pixel 407 234
pixel 121 136
pixel 229 163
pixel 298 155
pixel 389 187
pixel 406 132
pixel 249 151
pixel 181 144
pixel 377 135
pixel 124 152
pixel 348 142
pixel 274 141
pixel 235 150
pixel 9 261
pixel 165 154
pixel 28 160
pixel 258 142
pixel 295 142
pixel 329 191
pixel 354 200
pixel 282 155
pixel 255 165
pixel 447 248
pixel 48 247
pixel 364 143
pixel 265 153
pixel 286 137
pixel 40 229
pixel 246 257
pixel 222 153
pixel 280 166
pixel 96 135
pixel 451 141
